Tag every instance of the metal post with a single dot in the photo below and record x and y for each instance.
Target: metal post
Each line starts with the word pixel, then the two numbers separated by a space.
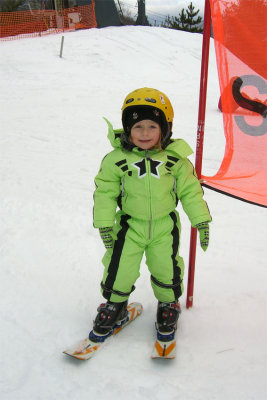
pixel 61 47
pixel 200 140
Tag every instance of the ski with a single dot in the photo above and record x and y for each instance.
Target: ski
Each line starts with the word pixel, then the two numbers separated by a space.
pixel 165 346
pixel 86 348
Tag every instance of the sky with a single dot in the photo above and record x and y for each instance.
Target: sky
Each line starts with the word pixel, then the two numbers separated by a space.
pixel 158 9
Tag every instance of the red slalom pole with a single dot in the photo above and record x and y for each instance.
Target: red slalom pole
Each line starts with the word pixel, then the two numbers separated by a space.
pixel 199 143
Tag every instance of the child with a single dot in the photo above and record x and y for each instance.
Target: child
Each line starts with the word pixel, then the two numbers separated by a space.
pixel 146 175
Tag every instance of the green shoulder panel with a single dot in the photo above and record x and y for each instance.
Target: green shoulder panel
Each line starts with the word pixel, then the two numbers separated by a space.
pixel 180 148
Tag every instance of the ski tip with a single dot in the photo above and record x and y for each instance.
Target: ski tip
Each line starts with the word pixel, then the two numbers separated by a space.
pixel 83 350
pixel 74 356
pixel 164 349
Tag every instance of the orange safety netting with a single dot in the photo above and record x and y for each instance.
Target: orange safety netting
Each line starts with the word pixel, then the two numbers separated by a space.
pixel 240 34
pixel 21 24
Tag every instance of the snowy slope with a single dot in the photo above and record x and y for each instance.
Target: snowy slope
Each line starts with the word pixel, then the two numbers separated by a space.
pixel 53 138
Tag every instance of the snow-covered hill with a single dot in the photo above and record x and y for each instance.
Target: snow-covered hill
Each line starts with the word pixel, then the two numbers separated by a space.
pixel 53 138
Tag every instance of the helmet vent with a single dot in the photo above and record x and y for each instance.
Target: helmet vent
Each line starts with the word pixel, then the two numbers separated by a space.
pixel 150 100
pixel 129 101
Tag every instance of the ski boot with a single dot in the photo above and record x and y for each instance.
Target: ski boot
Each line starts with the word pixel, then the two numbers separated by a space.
pixel 110 316
pixel 167 317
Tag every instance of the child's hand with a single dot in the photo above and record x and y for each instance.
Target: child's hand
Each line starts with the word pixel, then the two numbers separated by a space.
pixel 203 230
pixel 107 237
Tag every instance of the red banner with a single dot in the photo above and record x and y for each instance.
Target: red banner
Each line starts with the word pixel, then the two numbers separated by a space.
pixel 240 36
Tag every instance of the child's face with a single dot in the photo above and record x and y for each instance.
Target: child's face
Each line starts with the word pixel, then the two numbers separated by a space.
pixel 145 134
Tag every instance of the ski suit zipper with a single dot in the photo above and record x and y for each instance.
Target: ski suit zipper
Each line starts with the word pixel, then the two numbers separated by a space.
pixel 150 194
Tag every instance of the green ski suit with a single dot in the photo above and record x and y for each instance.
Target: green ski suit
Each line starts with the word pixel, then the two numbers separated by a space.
pixel 147 185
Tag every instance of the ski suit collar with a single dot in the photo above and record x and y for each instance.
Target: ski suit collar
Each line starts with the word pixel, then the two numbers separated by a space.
pixel 113 134
pixel 178 147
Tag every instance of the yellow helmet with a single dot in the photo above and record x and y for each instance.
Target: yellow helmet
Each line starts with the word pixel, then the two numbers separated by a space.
pixel 145 100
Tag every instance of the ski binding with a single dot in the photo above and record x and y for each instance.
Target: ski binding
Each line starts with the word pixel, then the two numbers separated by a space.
pixel 86 348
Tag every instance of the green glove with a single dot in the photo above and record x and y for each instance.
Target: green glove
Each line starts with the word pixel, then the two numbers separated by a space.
pixel 203 230
pixel 107 237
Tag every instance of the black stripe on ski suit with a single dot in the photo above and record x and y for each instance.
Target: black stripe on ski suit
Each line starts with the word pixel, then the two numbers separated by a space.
pixel 115 258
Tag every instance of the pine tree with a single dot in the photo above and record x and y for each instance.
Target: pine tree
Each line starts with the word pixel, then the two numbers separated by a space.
pixel 188 20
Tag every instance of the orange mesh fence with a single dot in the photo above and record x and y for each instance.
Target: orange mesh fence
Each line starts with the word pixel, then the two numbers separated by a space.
pixel 21 24
pixel 240 34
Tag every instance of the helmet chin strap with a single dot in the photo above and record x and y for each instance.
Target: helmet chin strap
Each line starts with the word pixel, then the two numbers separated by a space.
pixel 126 142
pixel 166 140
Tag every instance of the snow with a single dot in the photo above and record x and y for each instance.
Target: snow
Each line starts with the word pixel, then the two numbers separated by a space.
pixel 53 138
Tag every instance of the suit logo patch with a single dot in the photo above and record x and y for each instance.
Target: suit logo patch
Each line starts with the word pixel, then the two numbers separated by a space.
pixel 154 167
